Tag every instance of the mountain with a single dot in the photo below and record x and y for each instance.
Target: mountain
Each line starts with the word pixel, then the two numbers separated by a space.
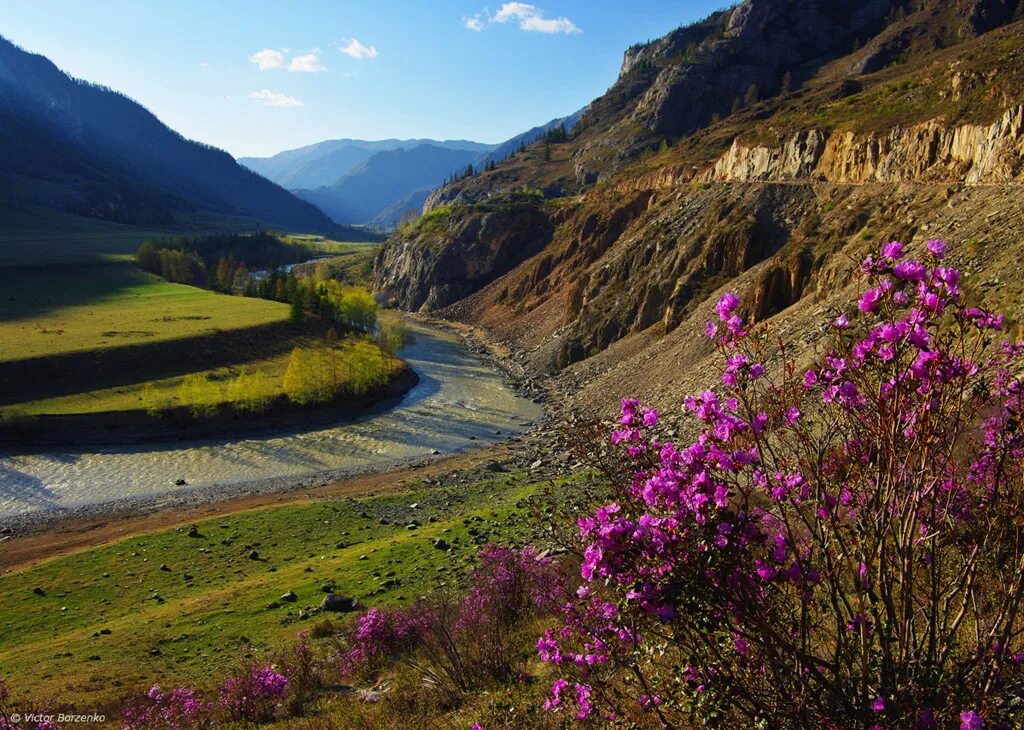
pixel 74 146
pixel 385 179
pixel 510 146
pixel 762 150
pixel 324 163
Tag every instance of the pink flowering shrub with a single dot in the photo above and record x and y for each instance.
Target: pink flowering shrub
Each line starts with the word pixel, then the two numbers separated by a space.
pixel 180 709
pixel 839 547
pixel 381 635
pixel 252 693
pixel 459 642
pixel 304 671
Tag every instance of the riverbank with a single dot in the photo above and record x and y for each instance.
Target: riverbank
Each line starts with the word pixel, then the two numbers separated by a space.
pixel 179 423
pixel 459 405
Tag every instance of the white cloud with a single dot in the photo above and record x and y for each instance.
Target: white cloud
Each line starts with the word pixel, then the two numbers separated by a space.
pixel 269 98
pixel 268 58
pixel 309 63
pixel 474 23
pixel 358 50
pixel 204 64
pixel 531 18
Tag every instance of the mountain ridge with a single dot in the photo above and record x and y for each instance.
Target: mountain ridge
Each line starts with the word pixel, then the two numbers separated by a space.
pixel 126 165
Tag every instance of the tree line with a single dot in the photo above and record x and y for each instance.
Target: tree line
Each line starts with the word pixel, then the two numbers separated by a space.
pixel 220 262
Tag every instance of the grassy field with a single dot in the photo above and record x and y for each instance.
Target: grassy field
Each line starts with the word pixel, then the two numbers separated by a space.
pixel 59 309
pixel 168 608
pixel 163 393
pixel 47 237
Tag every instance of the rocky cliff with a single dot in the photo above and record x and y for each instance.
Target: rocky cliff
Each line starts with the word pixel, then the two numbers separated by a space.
pixel 447 256
pixel 661 199
pixel 927 152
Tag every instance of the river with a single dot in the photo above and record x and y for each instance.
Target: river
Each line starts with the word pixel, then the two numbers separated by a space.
pixel 459 402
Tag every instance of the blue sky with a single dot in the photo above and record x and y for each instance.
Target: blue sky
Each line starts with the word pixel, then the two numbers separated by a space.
pixel 258 77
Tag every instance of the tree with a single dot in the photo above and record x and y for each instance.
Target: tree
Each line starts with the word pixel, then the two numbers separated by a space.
pixel 302 379
pixel 752 96
pixel 148 258
pixel 296 312
pixel 200 395
pixel 250 392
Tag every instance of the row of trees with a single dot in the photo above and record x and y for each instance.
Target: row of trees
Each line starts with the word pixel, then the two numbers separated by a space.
pixel 218 262
pixel 315 374
pixel 321 373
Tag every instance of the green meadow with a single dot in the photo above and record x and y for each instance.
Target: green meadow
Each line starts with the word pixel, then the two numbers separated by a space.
pixel 54 310
pixel 70 285
pixel 33 238
pixel 169 607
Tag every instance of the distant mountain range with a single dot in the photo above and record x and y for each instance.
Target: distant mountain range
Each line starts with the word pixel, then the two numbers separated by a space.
pixel 323 163
pixel 375 182
pixel 86 149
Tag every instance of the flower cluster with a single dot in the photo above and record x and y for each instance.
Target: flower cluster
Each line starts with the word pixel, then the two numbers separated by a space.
pixel 380 635
pixel 833 544
pixel 507 586
pixel 252 693
pixel 180 709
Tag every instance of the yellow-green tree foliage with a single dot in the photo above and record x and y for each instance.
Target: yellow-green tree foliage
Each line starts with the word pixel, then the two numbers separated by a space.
pixel 354 306
pixel 392 332
pixel 251 392
pixel 152 400
pixel 200 395
pixel 305 379
pixel 321 373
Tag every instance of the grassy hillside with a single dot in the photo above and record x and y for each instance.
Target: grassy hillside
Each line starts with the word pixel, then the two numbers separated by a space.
pixel 55 310
pixel 167 607
pixel 34 237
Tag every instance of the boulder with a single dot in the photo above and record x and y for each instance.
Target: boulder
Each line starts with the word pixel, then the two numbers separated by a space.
pixel 339 604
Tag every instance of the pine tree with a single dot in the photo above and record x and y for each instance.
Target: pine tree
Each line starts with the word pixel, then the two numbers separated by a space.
pixel 752 96
pixel 787 83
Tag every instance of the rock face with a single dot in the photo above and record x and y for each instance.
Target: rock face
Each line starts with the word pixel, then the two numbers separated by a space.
pixel 751 45
pixel 928 152
pixel 449 257
pixel 664 198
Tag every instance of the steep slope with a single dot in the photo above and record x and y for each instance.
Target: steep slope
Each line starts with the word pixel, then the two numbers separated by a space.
pixel 656 206
pixel 511 146
pixel 386 178
pixel 106 156
pixel 324 163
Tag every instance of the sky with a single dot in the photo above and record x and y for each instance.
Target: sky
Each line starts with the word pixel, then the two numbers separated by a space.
pixel 258 77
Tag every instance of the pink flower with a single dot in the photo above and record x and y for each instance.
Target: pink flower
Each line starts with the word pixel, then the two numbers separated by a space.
pixel 869 301
pixel 893 250
pixel 879 704
pixel 726 306
pixel 971 720
pixel 937 249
